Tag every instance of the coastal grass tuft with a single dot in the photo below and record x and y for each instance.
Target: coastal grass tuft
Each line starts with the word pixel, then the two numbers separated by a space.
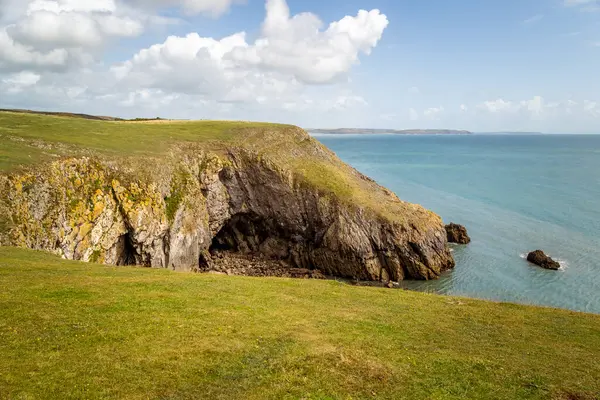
pixel 70 330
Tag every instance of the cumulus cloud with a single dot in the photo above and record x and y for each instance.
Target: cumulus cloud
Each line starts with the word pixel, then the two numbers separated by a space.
pixel 292 51
pixel 213 8
pixel 346 102
pixel 15 56
pixel 298 46
pixel 534 106
pixel 533 114
pixel 538 114
pixel 56 34
pixel 498 105
pixel 19 81
pixel 50 57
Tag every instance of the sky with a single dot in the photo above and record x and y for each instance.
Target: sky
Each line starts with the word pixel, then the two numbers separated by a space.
pixel 480 65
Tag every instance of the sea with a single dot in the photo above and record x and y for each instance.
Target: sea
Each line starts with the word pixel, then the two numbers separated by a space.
pixel 515 193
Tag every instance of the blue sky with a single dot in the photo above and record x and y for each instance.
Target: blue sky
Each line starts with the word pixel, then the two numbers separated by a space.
pixel 526 65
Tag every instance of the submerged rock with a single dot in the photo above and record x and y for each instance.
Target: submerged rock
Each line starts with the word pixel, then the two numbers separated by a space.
pixel 540 259
pixel 457 234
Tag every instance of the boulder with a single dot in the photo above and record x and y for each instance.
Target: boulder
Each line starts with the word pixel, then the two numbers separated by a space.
pixel 540 258
pixel 457 234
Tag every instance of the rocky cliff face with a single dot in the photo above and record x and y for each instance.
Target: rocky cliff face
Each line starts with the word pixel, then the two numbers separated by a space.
pixel 186 209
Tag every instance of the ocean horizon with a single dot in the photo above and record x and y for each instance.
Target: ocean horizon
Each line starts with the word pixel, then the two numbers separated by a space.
pixel 515 193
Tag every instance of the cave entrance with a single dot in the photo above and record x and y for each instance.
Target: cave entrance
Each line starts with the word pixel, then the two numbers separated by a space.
pixel 127 252
pixel 242 233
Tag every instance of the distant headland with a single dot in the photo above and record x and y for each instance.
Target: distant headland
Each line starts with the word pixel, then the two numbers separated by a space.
pixel 342 131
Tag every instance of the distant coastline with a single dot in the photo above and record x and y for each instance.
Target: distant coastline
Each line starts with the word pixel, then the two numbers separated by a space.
pixel 344 131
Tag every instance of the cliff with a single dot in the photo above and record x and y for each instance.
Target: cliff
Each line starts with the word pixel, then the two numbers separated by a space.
pixel 180 194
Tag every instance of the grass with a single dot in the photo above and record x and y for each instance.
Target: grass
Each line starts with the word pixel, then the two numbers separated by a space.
pixel 79 331
pixel 126 138
pixel 28 139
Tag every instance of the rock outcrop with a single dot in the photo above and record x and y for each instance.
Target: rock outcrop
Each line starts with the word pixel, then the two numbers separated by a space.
pixel 296 205
pixel 540 259
pixel 457 234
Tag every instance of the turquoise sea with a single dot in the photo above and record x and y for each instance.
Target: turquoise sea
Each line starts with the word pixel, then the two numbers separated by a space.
pixel 514 193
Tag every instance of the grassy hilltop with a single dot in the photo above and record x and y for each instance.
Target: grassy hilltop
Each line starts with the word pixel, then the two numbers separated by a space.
pixel 29 139
pixel 80 331
pixel 85 331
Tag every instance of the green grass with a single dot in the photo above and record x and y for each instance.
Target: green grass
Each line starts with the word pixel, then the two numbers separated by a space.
pixel 79 331
pixel 27 139
pixel 127 138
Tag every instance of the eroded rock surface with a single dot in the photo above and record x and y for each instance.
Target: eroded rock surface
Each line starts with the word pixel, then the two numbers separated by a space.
pixel 457 234
pixel 540 259
pixel 186 210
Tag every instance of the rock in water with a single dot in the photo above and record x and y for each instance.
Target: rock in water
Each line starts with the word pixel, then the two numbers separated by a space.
pixel 540 258
pixel 457 234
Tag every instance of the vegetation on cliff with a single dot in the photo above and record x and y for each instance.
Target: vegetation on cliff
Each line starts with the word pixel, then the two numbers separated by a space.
pixel 70 330
pixel 158 193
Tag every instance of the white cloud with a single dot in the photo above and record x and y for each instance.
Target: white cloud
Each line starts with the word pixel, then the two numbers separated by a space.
pixel 534 114
pixel 540 114
pixel 498 105
pixel 535 105
pixel 65 29
pixel 433 112
pixel 24 78
pixel 388 116
pixel 296 45
pixel 213 8
pixel 16 83
pixel 15 56
pixel 56 34
pixel 533 19
pixel 345 102
pixel 291 52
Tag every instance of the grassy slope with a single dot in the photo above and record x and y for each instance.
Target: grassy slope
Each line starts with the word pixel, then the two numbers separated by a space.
pixel 72 330
pixel 28 139
pixel 71 135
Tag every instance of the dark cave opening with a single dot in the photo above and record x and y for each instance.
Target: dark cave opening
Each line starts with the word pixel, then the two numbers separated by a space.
pixel 127 253
pixel 249 244
pixel 243 233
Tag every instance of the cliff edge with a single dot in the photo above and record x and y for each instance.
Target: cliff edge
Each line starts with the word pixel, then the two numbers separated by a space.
pixel 178 194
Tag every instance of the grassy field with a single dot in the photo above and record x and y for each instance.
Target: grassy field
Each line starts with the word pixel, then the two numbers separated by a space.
pixel 28 138
pixel 79 331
